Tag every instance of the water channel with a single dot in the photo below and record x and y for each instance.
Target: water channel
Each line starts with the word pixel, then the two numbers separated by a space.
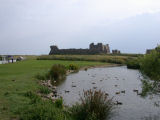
pixel 112 80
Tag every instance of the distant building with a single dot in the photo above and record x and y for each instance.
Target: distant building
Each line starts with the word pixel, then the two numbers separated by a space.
pixel 148 51
pixel 7 59
pixel 116 51
pixel 93 49
pixel 4 59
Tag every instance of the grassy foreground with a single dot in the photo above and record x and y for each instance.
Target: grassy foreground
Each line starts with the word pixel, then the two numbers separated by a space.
pixel 18 78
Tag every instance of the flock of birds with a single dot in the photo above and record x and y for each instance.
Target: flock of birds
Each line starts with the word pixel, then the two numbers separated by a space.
pixel 116 93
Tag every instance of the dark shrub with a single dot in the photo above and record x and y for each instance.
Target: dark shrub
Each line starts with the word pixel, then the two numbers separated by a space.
pixel 95 105
pixel 57 72
pixel 133 64
pixel 73 67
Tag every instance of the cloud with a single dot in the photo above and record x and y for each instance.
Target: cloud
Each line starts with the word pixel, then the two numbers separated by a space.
pixel 36 23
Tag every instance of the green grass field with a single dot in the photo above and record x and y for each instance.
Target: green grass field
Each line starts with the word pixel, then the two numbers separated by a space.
pixel 18 78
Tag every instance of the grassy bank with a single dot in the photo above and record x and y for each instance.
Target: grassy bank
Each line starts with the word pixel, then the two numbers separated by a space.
pixel 149 65
pixel 18 78
pixel 117 59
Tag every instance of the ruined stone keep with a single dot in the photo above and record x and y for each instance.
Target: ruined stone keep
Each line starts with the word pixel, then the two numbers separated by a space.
pixel 93 49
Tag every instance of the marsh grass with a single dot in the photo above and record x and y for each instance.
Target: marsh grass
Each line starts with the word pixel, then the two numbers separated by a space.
pixel 133 64
pixel 100 58
pixel 95 105
pixel 34 98
pixel 57 72
pixel 43 111
pixel 40 77
pixel 150 65
pixel 44 90
pixel 39 109
pixel 150 87
pixel 73 67
pixel 59 103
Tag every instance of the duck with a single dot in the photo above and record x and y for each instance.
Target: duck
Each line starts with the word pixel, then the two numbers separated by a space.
pixel 67 91
pixel 123 91
pixel 135 90
pixel 106 94
pixel 73 85
pixel 94 87
pixel 117 93
pixel 118 103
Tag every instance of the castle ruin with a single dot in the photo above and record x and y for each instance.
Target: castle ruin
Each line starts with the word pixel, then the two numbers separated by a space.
pixel 116 51
pixel 93 49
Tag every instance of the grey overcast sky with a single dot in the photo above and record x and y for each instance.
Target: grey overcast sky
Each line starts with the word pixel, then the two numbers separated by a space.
pixel 31 26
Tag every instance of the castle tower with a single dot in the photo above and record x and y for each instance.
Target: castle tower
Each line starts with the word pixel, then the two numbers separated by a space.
pixel 54 49
pixel 100 48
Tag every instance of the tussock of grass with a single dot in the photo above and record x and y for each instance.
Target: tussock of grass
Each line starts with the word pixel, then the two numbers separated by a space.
pixel 44 90
pixel 57 72
pixel 40 77
pixel 95 105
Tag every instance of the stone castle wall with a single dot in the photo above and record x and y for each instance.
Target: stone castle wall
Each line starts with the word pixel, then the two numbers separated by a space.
pixel 116 51
pixel 93 49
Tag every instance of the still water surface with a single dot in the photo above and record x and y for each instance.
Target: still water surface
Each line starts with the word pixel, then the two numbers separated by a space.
pixel 112 80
